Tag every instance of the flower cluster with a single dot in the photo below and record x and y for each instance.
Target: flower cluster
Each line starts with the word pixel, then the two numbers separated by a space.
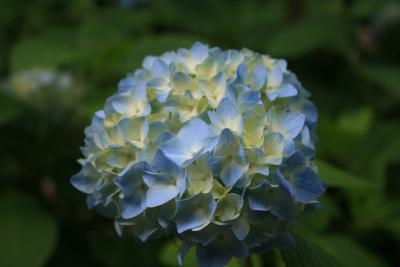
pixel 42 87
pixel 214 147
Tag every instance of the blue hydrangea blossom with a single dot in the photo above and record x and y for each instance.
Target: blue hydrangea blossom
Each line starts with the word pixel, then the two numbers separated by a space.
pixel 214 147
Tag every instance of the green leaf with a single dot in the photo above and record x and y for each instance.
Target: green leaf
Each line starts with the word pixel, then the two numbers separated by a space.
pixel 116 252
pixel 363 9
pixel 386 76
pixel 394 226
pixel 309 34
pixel 51 48
pixel 28 233
pixel 356 122
pixel 10 108
pixel 319 220
pixel 347 132
pixel 349 253
pixel 307 254
pixel 109 27
pixel 335 177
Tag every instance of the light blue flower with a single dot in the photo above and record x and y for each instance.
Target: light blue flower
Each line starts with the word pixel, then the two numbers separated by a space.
pixel 87 179
pixel 191 141
pixel 228 159
pixel 214 90
pixel 213 147
pixel 195 213
pixel 288 125
pixel 133 188
pixel 228 208
pixel 276 85
pixel 227 116
pixel 254 79
pixel 166 181
pixel 129 103
pixel 274 198
pixel 301 180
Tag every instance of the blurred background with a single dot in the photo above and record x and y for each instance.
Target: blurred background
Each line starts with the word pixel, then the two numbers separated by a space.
pixel 59 60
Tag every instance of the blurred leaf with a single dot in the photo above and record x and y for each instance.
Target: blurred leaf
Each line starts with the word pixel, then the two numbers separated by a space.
pixel 110 27
pixel 51 48
pixel 319 219
pixel 28 234
pixel 357 121
pixel 9 108
pixel 308 34
pixel 117 252
pixel 362 8
pixel 336 177
pixel 349 253
pixel 307 254
pixel 386 76
pixel 394 226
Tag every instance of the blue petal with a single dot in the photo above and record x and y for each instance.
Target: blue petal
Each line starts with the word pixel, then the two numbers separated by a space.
pixel 163 164
pixel 199 51
pixel 160 194
pixel 292 123
pixel 227 109
pixel 132 180
pixel 85 181
pixel 227 116
pixel 307 185
pixel 278 200
pixel 126 84
pixel 207 257
pixel 143 228
pixel 133 206
pixel 159 68
pixel 258 198
pixel 195 212
pixel 274 78
pixel 241 228
pixel 162 96
pixel 272 95
pixel 232 172
pixel 191 139
pixel 248 99
pixel 227 142
pixel 257 77
pixel 139 90
pixel 195 130
pixel 242 72
pixel 287 90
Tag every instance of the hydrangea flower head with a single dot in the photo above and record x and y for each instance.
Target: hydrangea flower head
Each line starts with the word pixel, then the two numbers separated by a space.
pixel 214 147
pixel 41 87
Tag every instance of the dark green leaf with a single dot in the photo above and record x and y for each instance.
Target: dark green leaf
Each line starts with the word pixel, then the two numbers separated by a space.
pixel 51 48
pixel 309 34
pixel 336 177
pixel 9 108
pixel 28 234
pixel 349 253
pixel 307 254
pixel 386 76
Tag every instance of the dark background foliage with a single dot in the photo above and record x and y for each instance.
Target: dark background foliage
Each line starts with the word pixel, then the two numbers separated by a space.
pixel 345 52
